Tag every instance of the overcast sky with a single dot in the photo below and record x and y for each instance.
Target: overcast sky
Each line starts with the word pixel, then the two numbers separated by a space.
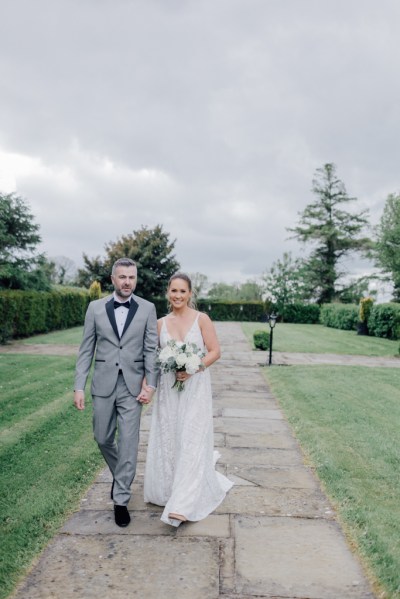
pixel 209 117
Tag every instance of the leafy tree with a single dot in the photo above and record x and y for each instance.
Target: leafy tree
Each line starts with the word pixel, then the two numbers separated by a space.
pixel 356 290
pixel 64 270
pixel 199 283
pixel 285 282
pixel 387 246
pixel 250 291
pixel 20 266
pixel 334 232
pixel 223 291
pixel 245 292
pixel 152 251
pixel 94 270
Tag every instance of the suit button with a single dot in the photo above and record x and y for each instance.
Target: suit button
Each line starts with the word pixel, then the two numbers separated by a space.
pixel 120 347
pixel 116 364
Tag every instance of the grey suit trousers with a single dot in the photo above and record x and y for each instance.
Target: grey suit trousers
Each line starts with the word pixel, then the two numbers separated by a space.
pixel 119 411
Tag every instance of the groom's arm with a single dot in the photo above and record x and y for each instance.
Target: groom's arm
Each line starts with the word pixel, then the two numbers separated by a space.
pixel 85 358
pixel 150 346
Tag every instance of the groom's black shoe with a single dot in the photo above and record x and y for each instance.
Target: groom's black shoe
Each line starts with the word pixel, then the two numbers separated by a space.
pixel 121 514
pixel 112 489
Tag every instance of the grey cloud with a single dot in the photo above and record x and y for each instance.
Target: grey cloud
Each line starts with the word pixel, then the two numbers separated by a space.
pixel 208 117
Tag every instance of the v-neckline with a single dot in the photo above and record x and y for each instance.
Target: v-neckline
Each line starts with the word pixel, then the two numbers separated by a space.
pixel 187 333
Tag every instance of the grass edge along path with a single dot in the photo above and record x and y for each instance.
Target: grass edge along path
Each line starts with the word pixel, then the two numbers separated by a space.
pixel 346 420
pixel 45 468
pixel 318 339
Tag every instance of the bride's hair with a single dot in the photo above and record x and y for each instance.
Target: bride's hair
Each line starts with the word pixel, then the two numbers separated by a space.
pixel 184 277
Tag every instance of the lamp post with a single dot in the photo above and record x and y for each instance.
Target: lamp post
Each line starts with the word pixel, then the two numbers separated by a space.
pixel 272 323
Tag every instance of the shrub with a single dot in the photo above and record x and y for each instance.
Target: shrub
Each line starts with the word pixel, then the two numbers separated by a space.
pixel 384 321
pixel 95 291
pixel 261 339
pixel 365 308
pixel 339 316
pixel 300 313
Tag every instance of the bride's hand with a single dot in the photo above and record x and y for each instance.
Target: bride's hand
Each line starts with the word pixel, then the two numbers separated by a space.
pixel 182 376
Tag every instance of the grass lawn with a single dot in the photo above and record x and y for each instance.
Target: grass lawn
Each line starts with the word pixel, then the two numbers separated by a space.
pixel 71 336
pixel 47 457
pixel 317 339
pixel 347 420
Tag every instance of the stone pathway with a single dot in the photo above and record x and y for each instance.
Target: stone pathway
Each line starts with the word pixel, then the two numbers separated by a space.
pixel 274 536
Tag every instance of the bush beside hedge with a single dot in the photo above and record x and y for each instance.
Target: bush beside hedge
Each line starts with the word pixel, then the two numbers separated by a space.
pixel 261 339
pixel 384 321
pixel 339 316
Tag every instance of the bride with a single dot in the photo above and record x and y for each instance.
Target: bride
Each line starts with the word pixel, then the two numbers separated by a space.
pixel 180 472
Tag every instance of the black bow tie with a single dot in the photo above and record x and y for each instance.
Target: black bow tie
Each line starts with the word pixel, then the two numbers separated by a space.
pixel 118 305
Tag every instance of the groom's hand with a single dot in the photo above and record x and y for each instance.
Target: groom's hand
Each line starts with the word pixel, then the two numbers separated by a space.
pixel 79 400
pixel 146 394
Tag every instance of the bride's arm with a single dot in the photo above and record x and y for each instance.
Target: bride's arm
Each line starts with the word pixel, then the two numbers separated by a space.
pixel 210 340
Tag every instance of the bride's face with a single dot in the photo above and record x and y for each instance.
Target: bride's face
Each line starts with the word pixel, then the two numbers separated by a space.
pixel 179 293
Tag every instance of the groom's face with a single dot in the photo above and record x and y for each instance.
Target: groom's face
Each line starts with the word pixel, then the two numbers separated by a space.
pixel 124 280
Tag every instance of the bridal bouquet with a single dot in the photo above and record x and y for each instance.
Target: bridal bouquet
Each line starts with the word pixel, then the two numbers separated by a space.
pixel 180 357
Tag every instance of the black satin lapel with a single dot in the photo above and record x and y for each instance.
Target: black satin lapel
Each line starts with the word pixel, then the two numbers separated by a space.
pixel 132 311
pixel 111 316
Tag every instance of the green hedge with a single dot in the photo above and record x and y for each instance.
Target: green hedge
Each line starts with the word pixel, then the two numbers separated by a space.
pixel 339 316
pixel 300 313
pixel 238 311
pixel 221 310
pixel 25 313
pixel 384 321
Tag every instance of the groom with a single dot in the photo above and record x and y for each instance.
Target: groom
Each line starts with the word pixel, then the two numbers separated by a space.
pixel 120 333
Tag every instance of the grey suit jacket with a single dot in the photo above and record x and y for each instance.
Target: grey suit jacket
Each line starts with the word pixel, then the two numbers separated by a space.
pixel 135 353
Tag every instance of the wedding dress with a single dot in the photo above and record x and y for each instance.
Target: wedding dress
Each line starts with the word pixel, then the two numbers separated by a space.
pixel 180 467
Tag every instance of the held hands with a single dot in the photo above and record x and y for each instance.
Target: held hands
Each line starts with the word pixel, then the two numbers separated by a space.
pixel 146 394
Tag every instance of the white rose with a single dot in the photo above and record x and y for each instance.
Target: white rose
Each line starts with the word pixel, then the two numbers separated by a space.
pixel 192 364
pixel 166 353
pixel 181 360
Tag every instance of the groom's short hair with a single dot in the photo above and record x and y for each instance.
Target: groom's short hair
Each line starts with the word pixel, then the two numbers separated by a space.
pixel 122 262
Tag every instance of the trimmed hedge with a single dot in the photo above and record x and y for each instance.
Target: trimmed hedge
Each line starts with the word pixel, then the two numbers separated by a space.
pixel 221 310
pixel 301 313
pixel 384 321
pixel 235 311
pixel 25 313
pixel 339 316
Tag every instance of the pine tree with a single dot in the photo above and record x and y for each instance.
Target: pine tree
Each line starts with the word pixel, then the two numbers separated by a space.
pixel 334 232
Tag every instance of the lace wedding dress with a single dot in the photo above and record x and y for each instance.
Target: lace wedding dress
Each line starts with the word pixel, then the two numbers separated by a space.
pixel 180 472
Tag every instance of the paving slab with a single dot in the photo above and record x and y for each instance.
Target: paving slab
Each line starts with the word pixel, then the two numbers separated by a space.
pixel 250 425
pixel 250 412
pixel 297 503
pixel 101 522
pixel 296 558
pixel 267 476
pixel 236 456
pixel 124 566
pixel 275 535
pixel 260 402
pixel 261 440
